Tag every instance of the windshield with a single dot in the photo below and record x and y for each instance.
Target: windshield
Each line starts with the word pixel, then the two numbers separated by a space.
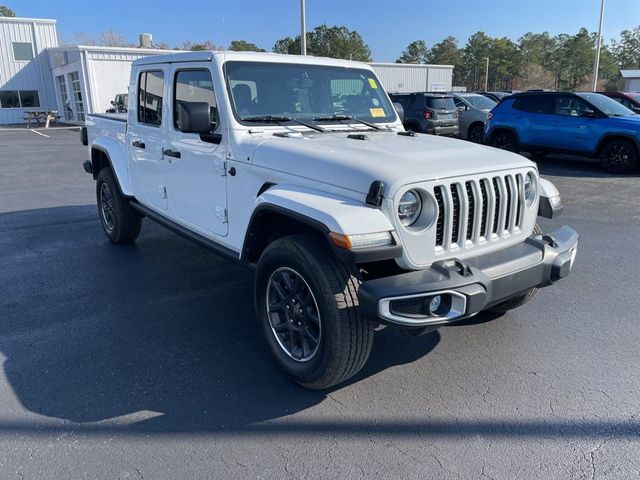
pixel 606 105
pixel 305 92
pixel 480 101
pixel 635 96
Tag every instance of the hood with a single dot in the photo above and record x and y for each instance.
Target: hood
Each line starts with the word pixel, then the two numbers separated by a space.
pixel 335 159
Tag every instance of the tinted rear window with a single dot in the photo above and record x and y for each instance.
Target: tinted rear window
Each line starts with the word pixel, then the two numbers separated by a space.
pixel 440 103
pixel 536 104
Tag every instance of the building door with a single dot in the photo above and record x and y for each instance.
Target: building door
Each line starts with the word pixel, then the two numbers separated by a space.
pixel 67 111
pixel 76 91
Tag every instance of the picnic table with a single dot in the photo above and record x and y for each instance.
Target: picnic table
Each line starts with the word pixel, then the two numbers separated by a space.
pixel 37 116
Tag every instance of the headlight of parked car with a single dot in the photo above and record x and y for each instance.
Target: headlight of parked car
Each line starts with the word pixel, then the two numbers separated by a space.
pixel 409 208
pixel 530 189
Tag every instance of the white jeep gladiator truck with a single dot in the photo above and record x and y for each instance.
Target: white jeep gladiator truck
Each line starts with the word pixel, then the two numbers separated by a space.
pixel 299 167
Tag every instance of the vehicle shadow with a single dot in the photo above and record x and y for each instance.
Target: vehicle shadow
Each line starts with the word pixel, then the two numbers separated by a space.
pixel 573 166
pixel 160 331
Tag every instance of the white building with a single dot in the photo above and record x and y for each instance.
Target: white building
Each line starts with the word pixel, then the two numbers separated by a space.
pixel 38 75
pixel 409 77
pixel 631 80
pixel 87 78
pixel 25 74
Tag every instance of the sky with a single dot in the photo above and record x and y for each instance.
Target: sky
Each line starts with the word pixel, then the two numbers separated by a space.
pixel 387 27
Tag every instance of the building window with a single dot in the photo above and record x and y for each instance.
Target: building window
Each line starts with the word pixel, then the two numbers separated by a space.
pixel 22 51
pixel 29 99
pixel 19 99
pixel 76 91
pixel 9 99
pixel 64 96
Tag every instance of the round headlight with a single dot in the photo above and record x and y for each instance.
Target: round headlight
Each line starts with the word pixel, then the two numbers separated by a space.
pixel 409 208
pixel 530 189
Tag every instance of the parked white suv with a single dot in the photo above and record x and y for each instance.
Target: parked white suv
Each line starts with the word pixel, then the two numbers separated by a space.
pixel 300 167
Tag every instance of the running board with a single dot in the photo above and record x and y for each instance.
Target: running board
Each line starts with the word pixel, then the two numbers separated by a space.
pixel 188 234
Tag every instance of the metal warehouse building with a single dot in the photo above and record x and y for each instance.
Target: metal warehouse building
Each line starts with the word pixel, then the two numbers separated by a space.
pixel 406 77
pixel 631 80
pixel 38 75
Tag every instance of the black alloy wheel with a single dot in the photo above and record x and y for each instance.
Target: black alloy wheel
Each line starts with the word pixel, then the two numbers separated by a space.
pixel 293 314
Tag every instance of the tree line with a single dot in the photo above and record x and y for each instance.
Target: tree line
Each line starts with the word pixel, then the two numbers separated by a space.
pixel 535 60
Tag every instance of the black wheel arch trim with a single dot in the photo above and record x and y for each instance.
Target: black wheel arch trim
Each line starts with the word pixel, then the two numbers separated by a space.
pixel 511 130
pixel 96 171
pixel 616 136
pixel 364 255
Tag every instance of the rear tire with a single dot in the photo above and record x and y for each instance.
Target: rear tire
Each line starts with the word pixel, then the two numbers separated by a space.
pixel 619 156
pixel 287 314
pixel 519 300
pixel 120 223
pixel 505 141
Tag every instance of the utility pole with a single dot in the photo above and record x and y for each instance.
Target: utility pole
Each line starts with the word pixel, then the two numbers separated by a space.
pixel 486 75
pixel 303 28
pixel 596 66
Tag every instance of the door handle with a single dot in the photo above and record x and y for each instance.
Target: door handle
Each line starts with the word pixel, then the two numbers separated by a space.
pixel 138 144
pixel 171 153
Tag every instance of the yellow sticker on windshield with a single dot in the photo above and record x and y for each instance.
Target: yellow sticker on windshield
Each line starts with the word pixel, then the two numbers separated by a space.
pixel 377 112
pixel 373 83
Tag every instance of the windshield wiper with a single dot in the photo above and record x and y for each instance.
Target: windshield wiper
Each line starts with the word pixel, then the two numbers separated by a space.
pixel 280 119
pixel 339 118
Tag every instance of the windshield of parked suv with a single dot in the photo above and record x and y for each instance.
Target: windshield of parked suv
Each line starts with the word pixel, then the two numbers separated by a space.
pixel 268 91
pixel 480 101
pixel 606 105
pixel 635 96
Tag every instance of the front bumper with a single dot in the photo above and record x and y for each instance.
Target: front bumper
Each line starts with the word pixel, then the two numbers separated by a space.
pixel 466 287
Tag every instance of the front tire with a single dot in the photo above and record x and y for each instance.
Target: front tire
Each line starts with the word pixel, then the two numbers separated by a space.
pixel 505 141
pixel 619 156
pixel 306 301
pixel 120 223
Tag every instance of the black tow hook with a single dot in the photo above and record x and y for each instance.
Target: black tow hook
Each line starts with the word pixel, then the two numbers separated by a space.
pixel 550 240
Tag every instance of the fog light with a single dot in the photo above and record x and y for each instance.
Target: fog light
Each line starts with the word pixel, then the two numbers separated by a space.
pixel 434 304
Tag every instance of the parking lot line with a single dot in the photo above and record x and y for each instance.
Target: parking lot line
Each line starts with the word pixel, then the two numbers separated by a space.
pixel 39 133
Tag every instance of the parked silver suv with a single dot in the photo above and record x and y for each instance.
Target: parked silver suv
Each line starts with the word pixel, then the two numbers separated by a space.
pixel 473 109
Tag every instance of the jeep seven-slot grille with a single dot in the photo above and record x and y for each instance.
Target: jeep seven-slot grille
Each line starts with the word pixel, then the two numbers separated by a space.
pixel 478 210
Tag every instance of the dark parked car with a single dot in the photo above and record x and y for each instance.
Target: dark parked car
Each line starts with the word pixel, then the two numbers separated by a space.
pixel 433 113
pixel 587 124
pixel 495 96
pixel 631 100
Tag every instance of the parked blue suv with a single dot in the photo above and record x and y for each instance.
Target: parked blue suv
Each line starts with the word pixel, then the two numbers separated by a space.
pixel 586 124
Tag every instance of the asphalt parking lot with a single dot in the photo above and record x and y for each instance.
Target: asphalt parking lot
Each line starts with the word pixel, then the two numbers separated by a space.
pixel 146 361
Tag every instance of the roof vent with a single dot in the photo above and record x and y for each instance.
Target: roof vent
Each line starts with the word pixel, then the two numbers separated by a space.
pixel 146 40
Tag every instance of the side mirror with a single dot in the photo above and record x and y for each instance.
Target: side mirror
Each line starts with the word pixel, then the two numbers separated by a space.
pixel 113 103
pixel 400 109
pixel 462 108
pixel 194 117
pixel 589 114
pixel 636 109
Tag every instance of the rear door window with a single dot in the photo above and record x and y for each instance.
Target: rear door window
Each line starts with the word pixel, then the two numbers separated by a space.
pixel 440 103
pixel 150 96
pixel 536 104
